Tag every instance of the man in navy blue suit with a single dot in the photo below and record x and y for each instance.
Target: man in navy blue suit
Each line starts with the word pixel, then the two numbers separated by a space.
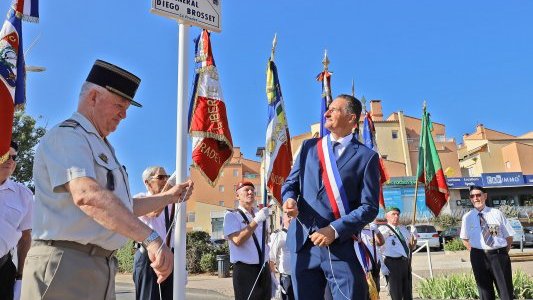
pixel 332 191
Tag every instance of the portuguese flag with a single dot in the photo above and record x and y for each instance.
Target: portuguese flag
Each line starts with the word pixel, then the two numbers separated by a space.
pixel 429 170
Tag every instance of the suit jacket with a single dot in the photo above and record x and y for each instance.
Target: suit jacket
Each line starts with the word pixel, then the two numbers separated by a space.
pixel 359 172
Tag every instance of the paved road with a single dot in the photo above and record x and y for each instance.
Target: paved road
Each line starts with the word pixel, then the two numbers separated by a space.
pixel 126 291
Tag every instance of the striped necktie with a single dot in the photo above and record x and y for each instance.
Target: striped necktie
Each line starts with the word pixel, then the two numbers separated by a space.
pixel 489 240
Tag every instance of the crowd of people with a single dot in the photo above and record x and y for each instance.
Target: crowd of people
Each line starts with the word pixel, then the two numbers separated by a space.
pixel 329 246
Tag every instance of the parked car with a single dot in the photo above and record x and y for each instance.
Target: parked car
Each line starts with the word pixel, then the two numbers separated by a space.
pixel 218 242
pixel 528 235
pixel 449 234
pixel 427 232
pixel 518 231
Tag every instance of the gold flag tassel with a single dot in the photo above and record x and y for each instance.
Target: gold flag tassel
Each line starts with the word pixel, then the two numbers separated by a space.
pixel 372 288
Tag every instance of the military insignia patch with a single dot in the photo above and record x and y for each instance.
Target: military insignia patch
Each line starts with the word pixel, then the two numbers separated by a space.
pixel 103 157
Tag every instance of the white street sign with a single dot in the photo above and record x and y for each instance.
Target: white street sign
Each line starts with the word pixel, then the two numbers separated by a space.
pixel 201 13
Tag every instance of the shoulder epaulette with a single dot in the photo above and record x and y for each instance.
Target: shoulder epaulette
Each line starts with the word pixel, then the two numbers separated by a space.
pixel 69 123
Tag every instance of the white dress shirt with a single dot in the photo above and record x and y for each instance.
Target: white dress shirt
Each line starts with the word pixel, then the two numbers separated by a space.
pixel 16 202
pixel 499 225
pixel 279 252
pixel 157 223
pixel 247 252
pixel 393 247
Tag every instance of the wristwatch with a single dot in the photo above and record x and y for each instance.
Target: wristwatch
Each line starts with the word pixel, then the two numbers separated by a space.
pixel 150 239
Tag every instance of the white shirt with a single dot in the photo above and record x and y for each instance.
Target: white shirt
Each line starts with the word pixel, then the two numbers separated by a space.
pixel 247 252
pixel 16 202
pixel 344 142
pixel 157 223
pixel 471 228
pixel 279 252
pixel 393 247
pixel 64 154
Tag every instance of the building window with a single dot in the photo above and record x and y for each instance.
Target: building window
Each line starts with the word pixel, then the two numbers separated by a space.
pixel 394 134
pixel 508 164
pixel 235 173
pixel 221 188
pixel 221 203
pixel 440 138
pixel 191 217
pixel 384 156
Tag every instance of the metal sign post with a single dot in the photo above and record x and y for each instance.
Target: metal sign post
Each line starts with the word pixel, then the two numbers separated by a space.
pixel 204 14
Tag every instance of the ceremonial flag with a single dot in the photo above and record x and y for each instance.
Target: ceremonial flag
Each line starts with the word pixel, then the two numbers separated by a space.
pixel 429 170
pixel 12 69
pixel 278 156
pixel 325 78
pixel 369 140
pixel 212 146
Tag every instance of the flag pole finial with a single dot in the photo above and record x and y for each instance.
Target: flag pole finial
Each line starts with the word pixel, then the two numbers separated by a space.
pixel 274 43
pixel 325 61
pixel 424 104
pixel 363 101
pixel 353 88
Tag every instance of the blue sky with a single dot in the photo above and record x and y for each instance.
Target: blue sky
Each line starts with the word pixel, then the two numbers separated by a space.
pixel 471 60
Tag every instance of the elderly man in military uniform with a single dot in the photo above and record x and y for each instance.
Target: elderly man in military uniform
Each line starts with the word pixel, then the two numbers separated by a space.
pixel 84 211
pixel 488 235
pixel 397 249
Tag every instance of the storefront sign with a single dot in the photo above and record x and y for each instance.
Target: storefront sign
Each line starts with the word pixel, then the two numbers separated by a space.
pixel 502 179
pixel 463 182
pixel 406 180
pixel 528 179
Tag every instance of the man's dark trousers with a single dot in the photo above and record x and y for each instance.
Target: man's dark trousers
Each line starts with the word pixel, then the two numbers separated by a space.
pixel 399 278
pixel 7 279
pixel 493 267
pixel 146 287
pixel 244 277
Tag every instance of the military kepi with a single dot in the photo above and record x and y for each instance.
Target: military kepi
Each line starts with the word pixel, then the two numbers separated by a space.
pixel 115 79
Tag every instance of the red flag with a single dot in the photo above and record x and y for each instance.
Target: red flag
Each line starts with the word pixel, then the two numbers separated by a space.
pixel 12 74
pixel 278 157
pixel 208 127
pixel 429 169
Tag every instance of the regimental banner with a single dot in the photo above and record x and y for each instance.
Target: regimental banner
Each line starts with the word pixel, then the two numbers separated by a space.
pixel 429 169
pixel 12 68
pixel 212 146
pixel 278 156
pixel 205 14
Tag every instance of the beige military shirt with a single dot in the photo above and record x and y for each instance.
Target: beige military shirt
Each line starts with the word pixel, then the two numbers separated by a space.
pixel 69 151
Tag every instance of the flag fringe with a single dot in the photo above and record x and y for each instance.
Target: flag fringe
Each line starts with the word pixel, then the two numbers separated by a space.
pixel 214 182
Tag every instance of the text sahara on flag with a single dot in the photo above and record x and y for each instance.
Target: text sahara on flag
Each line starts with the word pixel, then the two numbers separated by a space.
pixel 212 146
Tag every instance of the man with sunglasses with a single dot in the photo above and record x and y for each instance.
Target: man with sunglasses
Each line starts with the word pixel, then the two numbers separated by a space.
pixel 146 288
pixel 488 235
pixel 15 226
pixel 83 209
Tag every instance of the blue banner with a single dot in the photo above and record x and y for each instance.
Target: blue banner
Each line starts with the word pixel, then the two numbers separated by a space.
pixel 502 179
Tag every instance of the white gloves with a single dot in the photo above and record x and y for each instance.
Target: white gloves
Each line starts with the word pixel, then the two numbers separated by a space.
pixel 373 227
pixel 261 215
pixel 413 229
pixel 16 288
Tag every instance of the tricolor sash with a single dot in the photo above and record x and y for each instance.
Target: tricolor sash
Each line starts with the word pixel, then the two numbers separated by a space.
pixel 331 178
pixel 339 200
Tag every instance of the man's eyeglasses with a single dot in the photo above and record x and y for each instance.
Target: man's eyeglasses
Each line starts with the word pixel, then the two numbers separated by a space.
pixel 160 177
pixel 472 196
pixel 13 157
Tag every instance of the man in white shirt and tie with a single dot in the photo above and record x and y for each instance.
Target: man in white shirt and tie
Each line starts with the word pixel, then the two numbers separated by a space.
pixel 488 235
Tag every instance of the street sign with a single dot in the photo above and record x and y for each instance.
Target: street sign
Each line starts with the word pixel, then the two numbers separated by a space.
pixel 201 13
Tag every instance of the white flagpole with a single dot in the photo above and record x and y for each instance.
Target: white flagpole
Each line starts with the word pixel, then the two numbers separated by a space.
pixel 180 274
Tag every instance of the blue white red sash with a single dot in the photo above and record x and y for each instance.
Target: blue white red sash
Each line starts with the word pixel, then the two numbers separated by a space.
pixel 331 178
pixel 336 193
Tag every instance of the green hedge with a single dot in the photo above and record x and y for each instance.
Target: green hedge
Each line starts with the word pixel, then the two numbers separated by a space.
pixel 454 245
pixel 463 286
pixel 200 254
pixel 125 258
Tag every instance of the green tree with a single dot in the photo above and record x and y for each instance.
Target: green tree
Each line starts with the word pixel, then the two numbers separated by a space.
pixel 27 134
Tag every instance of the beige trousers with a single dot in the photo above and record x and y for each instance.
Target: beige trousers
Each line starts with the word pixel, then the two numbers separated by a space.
pixel 59 273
